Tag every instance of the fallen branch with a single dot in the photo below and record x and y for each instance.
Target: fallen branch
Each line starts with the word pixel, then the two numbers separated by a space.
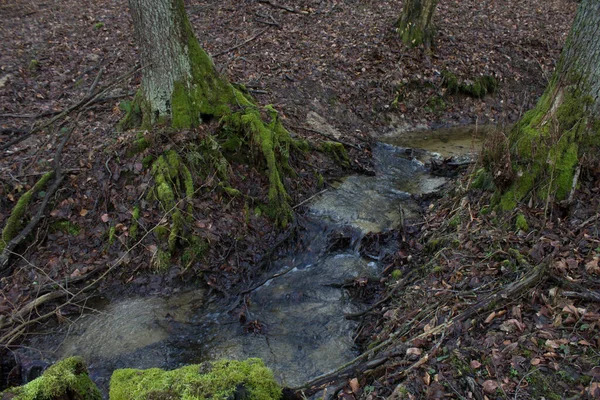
pixel 286 8
pixel 241 44
pixel 81 104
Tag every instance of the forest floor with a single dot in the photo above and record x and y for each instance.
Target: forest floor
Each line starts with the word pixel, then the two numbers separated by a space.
pixel 333 69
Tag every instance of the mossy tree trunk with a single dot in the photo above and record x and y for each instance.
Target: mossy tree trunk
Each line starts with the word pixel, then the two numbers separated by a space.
pixel 415 25
pixel 181 88
pixel 546 147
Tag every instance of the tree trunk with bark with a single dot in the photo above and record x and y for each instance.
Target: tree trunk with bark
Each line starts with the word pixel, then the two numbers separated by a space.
pixel 181 88
pixel 415 25
pixel 548 146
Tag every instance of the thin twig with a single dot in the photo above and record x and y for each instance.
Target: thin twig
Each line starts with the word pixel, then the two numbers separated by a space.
pixel 241 44
pixel 288 9
pixel 81 104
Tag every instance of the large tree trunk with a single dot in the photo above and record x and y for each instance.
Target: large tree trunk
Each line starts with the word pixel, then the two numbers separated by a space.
pixel 415 24
pixel 179 80
pixel 545 148
pixel 181 87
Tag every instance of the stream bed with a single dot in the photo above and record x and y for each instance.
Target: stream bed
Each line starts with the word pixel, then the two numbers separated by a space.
pixel 294 322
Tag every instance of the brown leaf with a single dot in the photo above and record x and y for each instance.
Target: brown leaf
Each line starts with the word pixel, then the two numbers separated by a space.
pixel 354 385
pixel 490 386
pixel 512 325
pixel 83 212
pixel 535 361
pixel 490 317
pixel 427 379
pixel 594 390
pixel 105 218
pixel 475 364
pixel 591 267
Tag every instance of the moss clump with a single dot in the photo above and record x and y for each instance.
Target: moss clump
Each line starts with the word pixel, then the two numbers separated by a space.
pixel 140 144
pixel 220 380
pixel 15 220
pixel 337 152
pixel 172 183
pixel 135 225
pixel 195 250
pixel 67 379
pixel 521 223
pixel 478 88
pixel 161 261
pixel 66 227
pixel 483 180
pixel 396 274
pixel 34 65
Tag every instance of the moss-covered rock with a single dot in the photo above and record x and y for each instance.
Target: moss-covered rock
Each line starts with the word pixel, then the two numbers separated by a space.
pixel 220 380
pixel 66 380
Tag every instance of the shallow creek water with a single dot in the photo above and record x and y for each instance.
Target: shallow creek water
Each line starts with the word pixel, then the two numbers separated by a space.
pixel 304 332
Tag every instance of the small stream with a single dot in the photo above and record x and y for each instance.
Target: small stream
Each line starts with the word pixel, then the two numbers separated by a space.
pixel 301 330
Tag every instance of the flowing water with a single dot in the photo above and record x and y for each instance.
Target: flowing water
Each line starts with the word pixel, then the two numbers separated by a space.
pixel 300 329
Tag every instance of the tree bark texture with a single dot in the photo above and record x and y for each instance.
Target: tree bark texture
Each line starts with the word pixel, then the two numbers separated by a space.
pixel 546 146
pixel 415 23
pixel 581 55
pixel 160 30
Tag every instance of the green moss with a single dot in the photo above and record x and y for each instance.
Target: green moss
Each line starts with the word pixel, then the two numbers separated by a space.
pixel 218 381
pixel 521 223
pixel 172 183
pixel 195 249
pixel 99 25
pixel 450 81
pixel 135 216
pixel 14 222
pixel 161 261
pixel 67 379
pixel 483 180
pixel 140 144
pixel 396 274
pixel 34 65
pixel 66 227
pixel 337 152
pixel 546 146
pixel 137 113
pixel 112 234
pixel 454 221
pixel 478 88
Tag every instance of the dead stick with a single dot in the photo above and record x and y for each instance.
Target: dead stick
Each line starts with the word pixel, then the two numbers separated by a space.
pixel 288 9
pixel 241 44
pixel 58 178
pixel 83 103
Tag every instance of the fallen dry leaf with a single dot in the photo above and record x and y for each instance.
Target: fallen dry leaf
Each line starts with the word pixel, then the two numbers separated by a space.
pixel 354 385
pixel 475 364
pixel 490 386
